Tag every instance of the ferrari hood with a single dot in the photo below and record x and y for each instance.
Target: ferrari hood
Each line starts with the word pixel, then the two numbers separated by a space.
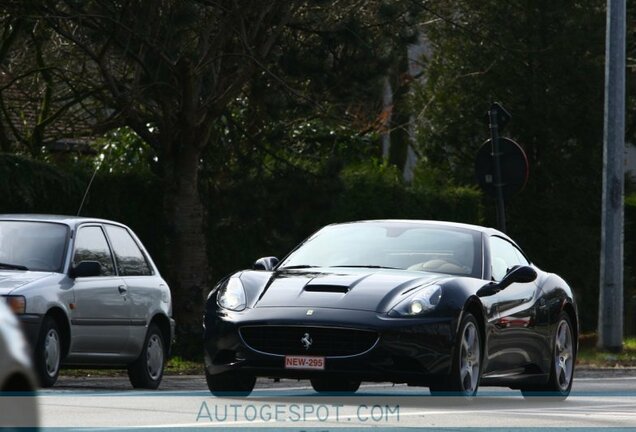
pixel 360 289
pixel 10 280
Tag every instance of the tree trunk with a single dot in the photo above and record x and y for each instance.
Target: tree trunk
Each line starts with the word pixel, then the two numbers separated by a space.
pixel 185 255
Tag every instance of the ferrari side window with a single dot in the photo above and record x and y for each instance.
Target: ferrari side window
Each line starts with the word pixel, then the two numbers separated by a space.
pixel 503 256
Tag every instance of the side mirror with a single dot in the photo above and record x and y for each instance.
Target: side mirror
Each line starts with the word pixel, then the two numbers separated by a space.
pixel 518 274
pixel 86 269
pixel 266 263
pixel 488 290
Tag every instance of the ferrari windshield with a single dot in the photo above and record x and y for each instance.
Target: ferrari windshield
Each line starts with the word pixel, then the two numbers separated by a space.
pixel 400 245
pixel 37 246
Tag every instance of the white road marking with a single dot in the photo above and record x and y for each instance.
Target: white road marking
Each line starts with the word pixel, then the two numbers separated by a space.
pixel 626 378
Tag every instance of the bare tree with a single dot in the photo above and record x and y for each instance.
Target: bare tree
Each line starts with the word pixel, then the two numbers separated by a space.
pixel 36 106
pixel 167 69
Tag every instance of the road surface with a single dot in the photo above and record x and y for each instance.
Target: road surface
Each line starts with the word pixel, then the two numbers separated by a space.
pixel 599 399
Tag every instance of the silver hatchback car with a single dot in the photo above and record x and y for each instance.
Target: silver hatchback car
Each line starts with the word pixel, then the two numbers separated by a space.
pixel 87 294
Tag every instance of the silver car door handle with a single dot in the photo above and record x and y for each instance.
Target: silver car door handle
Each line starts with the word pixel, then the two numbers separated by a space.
pixel 122 289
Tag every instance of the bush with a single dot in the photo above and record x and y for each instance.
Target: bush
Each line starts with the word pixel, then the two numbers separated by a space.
pixel 29 186
pixel 256 217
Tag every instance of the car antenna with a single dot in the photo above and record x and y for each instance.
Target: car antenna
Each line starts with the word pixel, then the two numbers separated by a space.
pixel 88 187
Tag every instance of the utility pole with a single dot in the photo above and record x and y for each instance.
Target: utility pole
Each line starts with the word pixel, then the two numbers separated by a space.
pixel 610 315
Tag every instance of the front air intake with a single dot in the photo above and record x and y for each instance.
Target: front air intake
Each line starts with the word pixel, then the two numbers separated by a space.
pixel 325 341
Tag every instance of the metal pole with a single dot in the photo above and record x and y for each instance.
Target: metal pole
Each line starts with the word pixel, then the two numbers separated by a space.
pixel 494 138
pixel 610 316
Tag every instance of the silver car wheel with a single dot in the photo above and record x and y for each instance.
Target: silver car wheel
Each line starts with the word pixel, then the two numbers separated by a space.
pixel 563 365
pixel 52 349
pixel 154 357
pixel 470 356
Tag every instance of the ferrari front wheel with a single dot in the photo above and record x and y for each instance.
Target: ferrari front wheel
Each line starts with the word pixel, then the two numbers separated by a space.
pixel 234 382
pixel 466 366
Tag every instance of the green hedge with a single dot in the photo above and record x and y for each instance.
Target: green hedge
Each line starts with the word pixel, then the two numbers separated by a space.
pixel 270 215
pixel 252 217
pixel 630 266
pixel 28 186
pixel 247 218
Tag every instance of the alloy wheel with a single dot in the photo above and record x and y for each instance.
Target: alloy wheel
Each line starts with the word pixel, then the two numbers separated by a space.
pixel 563 366
pixel 470 356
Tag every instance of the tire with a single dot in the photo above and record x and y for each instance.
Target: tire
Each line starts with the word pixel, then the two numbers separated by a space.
pixel 235 382
pixel 329 385
pixel 48 353
pixel 147 371
pixel 466 367
pixel 559 385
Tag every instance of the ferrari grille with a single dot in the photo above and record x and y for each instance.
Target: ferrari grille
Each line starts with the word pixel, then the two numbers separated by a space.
pixel 301 340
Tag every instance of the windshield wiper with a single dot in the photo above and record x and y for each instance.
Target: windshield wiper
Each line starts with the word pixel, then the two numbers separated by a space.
pixel 12 266
pixel 369 266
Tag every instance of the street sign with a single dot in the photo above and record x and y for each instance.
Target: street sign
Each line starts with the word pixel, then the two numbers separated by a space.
pixel 514 168
pixel 501 115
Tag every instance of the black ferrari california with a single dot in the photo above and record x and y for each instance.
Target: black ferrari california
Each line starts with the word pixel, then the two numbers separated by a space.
pixel 444 305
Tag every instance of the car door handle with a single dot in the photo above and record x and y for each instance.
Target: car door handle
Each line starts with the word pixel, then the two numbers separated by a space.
pixel 122 289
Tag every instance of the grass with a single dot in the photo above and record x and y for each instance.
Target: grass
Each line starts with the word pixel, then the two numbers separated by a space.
pixel 180 366
pixel 176 366
pixel 591 356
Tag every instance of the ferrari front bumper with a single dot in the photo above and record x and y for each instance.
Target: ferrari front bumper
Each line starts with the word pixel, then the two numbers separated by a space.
pixel 412 350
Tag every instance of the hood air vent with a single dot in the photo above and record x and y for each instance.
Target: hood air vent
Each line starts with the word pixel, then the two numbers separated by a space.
pixel 327 288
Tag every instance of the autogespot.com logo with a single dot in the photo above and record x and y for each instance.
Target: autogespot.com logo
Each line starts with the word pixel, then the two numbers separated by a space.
pixel 297 412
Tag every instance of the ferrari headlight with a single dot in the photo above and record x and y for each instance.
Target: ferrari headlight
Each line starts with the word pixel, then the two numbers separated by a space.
pixel 423 301
pixel 232 295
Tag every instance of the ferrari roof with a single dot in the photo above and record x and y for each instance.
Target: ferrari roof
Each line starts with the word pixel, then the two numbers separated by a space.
pixel 482 229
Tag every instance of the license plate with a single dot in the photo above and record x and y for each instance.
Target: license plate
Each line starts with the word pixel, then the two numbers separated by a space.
pixel 304 362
